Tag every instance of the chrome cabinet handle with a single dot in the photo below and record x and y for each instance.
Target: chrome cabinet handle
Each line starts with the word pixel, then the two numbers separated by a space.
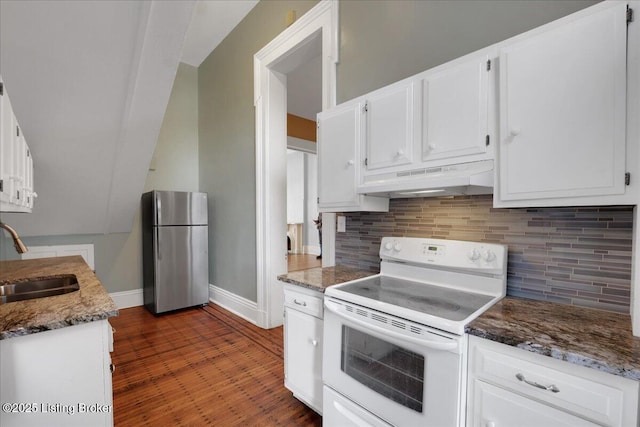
pixel 551 387
pixel 303 303
pixel 314 343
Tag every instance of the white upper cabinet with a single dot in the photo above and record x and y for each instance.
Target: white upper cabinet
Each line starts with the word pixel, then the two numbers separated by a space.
pixel 392 125
pixel 16 163
pixel 563 111
pixel 456 108
pixel 339 139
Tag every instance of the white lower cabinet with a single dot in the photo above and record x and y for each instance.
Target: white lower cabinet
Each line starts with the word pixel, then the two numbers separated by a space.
pixel 303 325
pixel 60 377
pixel 508 386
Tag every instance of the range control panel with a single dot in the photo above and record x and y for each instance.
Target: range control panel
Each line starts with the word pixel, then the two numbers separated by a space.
pixel 451 254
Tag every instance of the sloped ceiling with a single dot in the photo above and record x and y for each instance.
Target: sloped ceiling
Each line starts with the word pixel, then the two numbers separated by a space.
pixel 212 21
pixel 89 82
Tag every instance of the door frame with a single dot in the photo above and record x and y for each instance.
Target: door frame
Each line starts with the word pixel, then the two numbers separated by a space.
pixel 270 102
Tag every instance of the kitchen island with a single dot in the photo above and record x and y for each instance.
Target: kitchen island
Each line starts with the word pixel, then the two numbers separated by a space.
pixel 55 359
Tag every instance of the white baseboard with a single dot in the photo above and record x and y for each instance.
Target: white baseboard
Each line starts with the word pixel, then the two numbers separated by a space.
pixel 243 307
pixel 238 305
pixel 313 250
pixel 128 299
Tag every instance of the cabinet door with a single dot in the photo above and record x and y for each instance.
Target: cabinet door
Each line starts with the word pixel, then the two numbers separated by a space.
pixel 455 110
pixel 6 148
pixel 338 139
pixel 496 407
pixel 303 356
pixel 562 109
pixel 392 125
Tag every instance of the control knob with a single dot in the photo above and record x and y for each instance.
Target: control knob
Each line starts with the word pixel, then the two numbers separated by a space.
pixel 388 246
pixel 488 256
pixel 473 254
pixel 397 247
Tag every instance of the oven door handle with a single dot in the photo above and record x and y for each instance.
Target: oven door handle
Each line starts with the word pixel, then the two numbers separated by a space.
pixel 435 345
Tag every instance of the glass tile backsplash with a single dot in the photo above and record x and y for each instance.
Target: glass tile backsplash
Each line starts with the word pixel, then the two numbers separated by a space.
pixel 572 255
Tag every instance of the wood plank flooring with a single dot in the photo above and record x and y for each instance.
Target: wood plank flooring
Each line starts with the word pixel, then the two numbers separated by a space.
pixel 297 262
pixel 199 367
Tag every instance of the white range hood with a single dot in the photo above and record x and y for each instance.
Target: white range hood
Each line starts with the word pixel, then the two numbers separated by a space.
pixel 448 180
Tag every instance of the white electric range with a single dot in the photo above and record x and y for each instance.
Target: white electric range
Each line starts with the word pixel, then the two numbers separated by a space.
pixel 394 346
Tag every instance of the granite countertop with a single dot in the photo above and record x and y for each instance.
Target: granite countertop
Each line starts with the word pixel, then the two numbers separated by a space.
pixel 593 338
pixel 90 303
pixel 318 279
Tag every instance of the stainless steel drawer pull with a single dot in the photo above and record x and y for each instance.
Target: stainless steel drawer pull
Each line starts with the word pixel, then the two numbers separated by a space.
pixel 551 387
pixel 303 303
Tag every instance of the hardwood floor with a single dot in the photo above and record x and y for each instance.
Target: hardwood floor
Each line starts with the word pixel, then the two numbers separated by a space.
pixel 199 367
pixel 297 262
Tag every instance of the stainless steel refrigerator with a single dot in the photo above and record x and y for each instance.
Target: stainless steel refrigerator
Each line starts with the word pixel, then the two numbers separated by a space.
pixel 175 250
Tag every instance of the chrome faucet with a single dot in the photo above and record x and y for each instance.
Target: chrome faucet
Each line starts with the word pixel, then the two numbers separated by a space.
pixel 17 243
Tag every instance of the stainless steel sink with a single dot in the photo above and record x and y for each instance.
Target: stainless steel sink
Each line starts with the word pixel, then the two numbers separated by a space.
pixel 19 290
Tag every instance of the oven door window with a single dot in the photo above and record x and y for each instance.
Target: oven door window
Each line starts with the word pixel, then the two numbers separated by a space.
pixel 392 371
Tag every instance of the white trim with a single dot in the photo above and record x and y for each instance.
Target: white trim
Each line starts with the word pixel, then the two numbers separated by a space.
pixel 311 250
pixel 633 141
pixel 270 102
pixel 126 299
pixel 84 250
pixel 238 305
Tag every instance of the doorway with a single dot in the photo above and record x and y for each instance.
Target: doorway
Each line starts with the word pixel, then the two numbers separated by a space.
pixel 304 102
pixel 317 30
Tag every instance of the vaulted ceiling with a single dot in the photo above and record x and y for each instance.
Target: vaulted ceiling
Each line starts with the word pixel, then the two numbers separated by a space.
pixel 89 82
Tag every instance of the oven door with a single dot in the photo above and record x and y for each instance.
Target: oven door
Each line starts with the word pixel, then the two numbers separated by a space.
pixel 403 372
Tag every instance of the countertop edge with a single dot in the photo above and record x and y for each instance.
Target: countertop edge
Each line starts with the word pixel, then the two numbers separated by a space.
pixel 20 332
pixel 90 303
pixel 556 353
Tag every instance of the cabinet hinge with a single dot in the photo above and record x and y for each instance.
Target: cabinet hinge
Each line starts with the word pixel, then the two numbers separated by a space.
pixel 488 65
pixel 318 200
pixel 487 141
pixel 1 186
pixel 366 161
pixel 1 88
pixel 366 107
pixel 629 15
pixel 17 131
pixel 627 178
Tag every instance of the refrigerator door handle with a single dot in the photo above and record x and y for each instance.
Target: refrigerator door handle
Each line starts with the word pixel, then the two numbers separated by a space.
pixel 156 244
pixel 158 210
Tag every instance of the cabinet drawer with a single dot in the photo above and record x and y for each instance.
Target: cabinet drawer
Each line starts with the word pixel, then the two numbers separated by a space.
pixel 596 396
pixel 304 302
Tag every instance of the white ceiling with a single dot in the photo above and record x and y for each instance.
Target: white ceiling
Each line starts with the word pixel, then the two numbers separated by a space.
pixel 89 82
pixel 212 21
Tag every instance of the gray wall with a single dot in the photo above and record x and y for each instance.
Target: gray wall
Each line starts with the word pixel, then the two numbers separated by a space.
pixel 380 42
pixel 118 258
pixel 385 41
pixel 227 145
